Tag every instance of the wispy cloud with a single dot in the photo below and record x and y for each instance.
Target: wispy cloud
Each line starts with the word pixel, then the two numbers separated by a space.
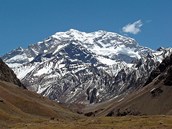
pixel 133 28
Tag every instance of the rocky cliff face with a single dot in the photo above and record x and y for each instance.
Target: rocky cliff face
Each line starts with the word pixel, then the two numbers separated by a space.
pixel 164 67
pixel 153 99
pixel 6 74
pixel 81 67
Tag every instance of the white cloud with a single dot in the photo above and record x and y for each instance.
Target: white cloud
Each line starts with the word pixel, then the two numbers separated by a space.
pixel 133 28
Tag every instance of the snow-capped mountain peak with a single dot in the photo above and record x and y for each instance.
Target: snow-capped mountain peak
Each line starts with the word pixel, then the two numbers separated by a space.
pixel 76 66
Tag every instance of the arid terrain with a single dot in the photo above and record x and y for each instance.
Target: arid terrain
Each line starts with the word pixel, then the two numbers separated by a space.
pixel 22 109
pixel 129 122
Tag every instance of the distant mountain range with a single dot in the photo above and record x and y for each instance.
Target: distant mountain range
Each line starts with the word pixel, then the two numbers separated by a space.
pixel 79 67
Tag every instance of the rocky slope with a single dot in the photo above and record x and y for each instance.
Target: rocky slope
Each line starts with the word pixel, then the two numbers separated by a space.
pixel 153 99
pixel 81 67
pixel 19 107
pixel 166 63
pixel 6 74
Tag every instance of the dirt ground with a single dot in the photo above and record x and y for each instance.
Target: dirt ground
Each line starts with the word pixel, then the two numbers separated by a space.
pixel 128 122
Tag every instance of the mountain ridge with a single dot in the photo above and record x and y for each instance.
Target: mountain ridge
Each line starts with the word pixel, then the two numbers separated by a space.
pixel 81 67
pixel 152 99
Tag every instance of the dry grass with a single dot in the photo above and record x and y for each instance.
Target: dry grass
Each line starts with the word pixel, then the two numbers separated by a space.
pixel 129 122
pixel 22 109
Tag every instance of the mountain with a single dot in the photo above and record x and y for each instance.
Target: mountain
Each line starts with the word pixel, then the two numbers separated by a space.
pixel 152 99
pixel 19 107
pixel 79 67
pixel 6 74
pixel 164 66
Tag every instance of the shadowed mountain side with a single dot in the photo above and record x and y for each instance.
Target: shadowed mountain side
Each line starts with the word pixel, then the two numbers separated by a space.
pixel 167 62
pixel 6 74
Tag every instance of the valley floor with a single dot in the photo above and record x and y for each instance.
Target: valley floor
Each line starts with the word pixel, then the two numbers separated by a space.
pixel 128 122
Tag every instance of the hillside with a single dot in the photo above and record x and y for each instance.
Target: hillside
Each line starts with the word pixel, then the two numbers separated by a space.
pixel 19 106
pixel 153 99
pixel 6 74
pixel 22 109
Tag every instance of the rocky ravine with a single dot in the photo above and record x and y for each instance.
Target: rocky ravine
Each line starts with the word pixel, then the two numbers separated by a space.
pixel 81 67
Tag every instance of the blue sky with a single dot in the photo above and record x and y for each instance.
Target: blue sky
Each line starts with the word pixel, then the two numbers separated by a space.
pixel 24 22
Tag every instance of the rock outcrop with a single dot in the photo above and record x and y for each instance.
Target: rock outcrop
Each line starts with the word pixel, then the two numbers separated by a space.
pixel 6 74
